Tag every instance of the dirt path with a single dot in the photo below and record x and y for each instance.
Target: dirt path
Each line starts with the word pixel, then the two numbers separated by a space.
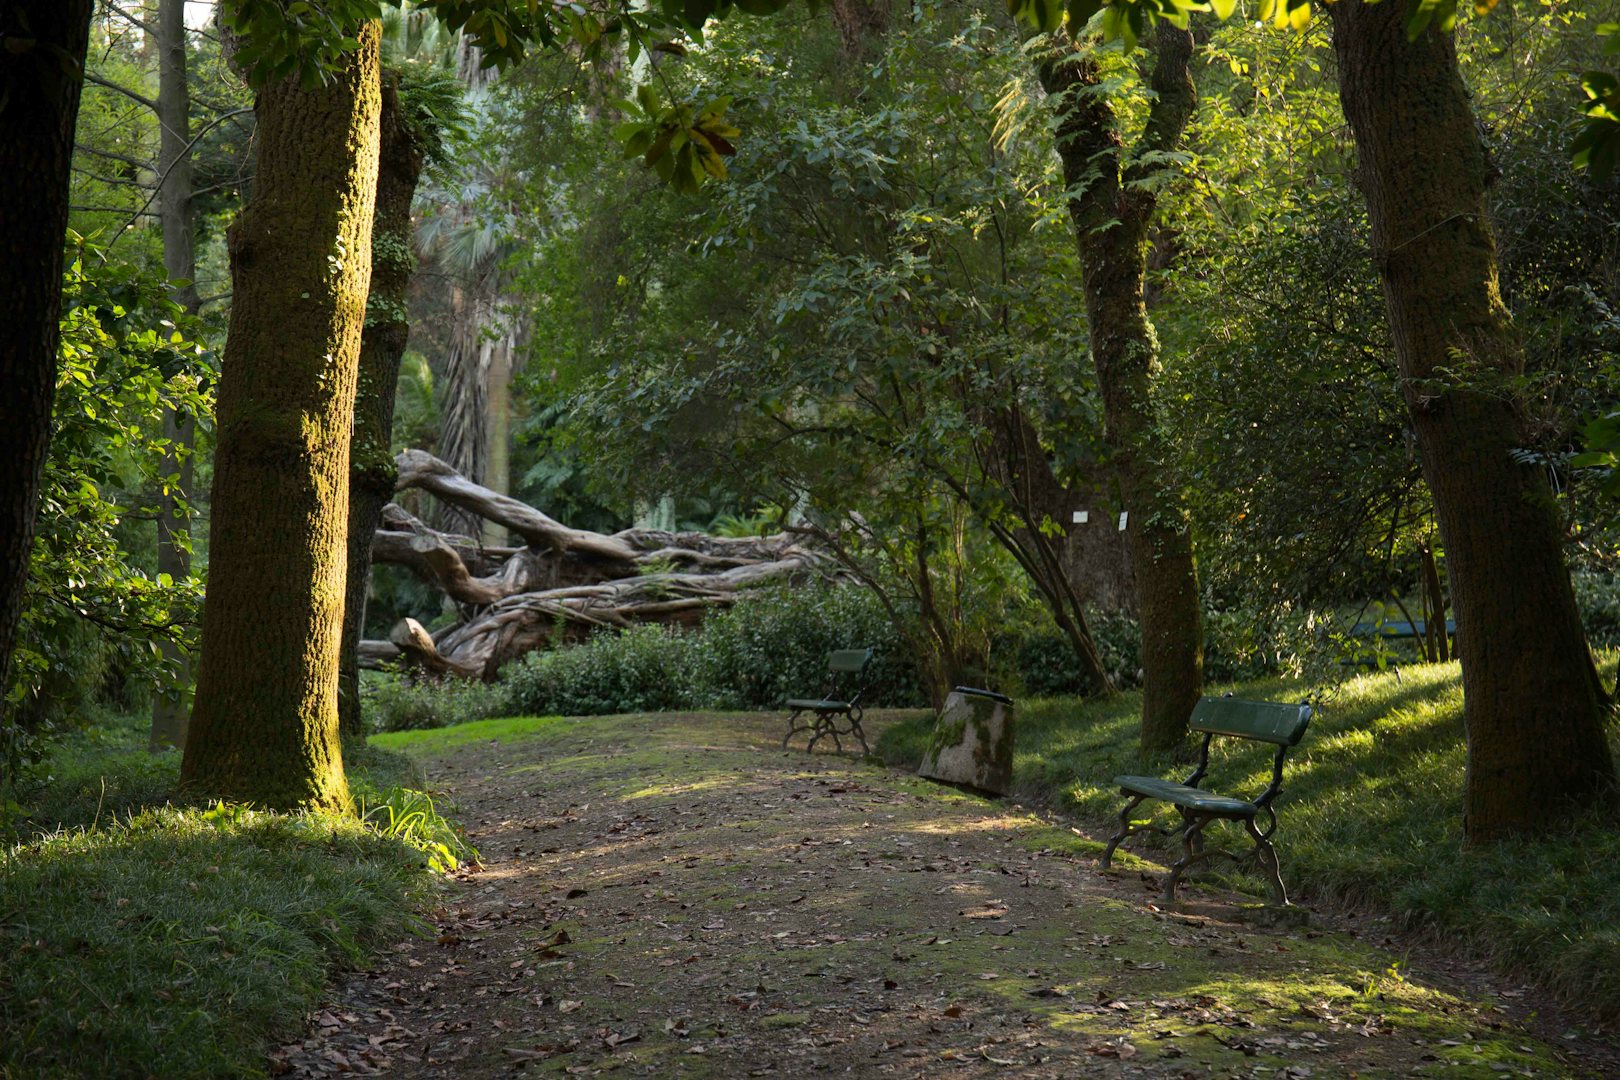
pixel 674 897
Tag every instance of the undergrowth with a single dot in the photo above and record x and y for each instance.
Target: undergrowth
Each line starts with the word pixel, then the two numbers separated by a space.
pixel 147 937
pixel 1371 817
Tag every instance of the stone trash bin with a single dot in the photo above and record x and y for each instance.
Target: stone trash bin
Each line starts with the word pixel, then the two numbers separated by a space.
pixel 973 741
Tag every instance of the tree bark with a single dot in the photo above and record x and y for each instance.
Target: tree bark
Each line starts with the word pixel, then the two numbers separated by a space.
pixel 1112 207
pixel 169 714
pixel 42 47
pixel 371 461
pixel 264 729
pixel 1533 704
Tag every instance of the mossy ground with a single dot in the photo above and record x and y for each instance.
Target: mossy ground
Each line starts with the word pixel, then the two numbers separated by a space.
pixel 1371 819
pixel 674 896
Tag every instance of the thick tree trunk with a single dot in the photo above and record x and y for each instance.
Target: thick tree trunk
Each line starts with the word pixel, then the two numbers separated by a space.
pixel 1112 209
pixel 42 45
pixel 1533 704
pixel 264 729
pixel 169 714
pixel 371 462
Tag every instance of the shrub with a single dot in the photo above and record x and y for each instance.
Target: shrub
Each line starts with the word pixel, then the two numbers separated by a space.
pixel 1598 597
pixel 773 644
pixel 1239 644
pixel 391 702
pixel 769 646
pixel 644 669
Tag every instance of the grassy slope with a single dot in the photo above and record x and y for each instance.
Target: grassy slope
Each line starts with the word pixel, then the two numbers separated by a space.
pixel 1371 815
pixel 174 942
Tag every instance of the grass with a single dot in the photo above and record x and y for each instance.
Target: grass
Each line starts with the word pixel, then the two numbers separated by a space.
pixel 1371 816
pixel 144 938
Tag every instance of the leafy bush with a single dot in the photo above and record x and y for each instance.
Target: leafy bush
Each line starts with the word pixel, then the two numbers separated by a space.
pixel 1239 644
pixel 1598 597
pixel 391 702
pixel 641 670
pixel 771 645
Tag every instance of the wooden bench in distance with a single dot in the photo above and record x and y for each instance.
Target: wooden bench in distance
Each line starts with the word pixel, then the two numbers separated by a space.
pixel 1282 726
pixel 840 697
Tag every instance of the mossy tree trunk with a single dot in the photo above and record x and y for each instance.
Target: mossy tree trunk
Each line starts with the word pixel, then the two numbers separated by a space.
pixel 264 728
pixel 1533 704
pixel 42 46
pixel 1112 203
pixel 372 472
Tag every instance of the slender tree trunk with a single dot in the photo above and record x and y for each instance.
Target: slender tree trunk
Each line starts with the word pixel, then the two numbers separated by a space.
pixel 372 472
pixel 1112 209
pixel 1533 704
pixel 169 713
pixel 1019 463
pixel 265 728
pixel 42 46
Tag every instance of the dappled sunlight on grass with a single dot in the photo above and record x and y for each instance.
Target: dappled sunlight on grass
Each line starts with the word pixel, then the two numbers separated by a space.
pixel 1370 814
pixel 682 787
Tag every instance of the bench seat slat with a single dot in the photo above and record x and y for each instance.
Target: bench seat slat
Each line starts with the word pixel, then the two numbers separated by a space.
pixel 818 704
pixel 1190 797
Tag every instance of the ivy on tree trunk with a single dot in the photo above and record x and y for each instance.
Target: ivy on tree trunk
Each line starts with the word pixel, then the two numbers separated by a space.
pixel 1112 204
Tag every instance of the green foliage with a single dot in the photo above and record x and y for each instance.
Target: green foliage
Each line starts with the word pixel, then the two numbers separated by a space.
pixel 128 355
pixel 409 816
pixel 771 645
pixel 1370 816
pixel 1597 145
pixel 392 702
pixel 1240 644
pixel 643 669
pixel 684 144
pixel 1598 597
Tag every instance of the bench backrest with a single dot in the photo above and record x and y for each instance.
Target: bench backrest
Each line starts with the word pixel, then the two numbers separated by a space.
pixel 848 661
pixel 1266 721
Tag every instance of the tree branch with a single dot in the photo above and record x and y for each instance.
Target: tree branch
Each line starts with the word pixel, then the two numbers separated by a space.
pixel 97 80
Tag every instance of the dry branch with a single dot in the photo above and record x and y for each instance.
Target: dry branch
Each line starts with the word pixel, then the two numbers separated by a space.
pixel 564 584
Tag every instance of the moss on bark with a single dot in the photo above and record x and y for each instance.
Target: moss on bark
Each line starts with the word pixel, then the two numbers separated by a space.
pixel 265 727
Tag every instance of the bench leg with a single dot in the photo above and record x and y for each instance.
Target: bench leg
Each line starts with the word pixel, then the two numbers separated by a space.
pixel 856 730
pixel 793 729
pixel 1124 831
pixel 1192 850
pixel 1267 855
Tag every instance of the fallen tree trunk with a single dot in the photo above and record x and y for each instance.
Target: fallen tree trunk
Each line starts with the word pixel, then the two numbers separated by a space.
pixel 564 584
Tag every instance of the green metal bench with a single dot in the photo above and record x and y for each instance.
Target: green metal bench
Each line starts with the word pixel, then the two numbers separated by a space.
pixel 1263 721
pixel 837 710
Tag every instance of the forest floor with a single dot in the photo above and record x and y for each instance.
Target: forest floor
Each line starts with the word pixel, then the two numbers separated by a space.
pixel 675 896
